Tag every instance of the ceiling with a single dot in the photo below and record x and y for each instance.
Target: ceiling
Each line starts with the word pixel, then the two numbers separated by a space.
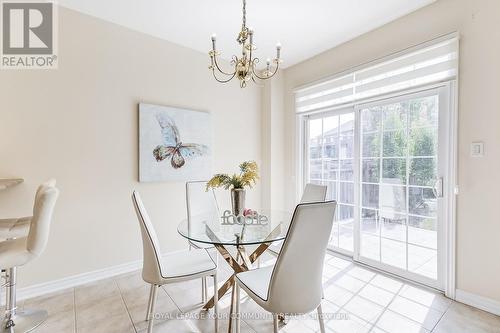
pixel 304 27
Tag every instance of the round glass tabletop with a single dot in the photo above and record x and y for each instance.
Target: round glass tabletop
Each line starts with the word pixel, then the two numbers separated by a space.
pixel 263 226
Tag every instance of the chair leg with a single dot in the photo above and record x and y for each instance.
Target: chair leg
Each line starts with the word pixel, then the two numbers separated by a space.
pixel 275 322
pixel 320 318
pixel 151 307
pixel 204 288
pixel 204 295
pixel 237 305
pixel 206 291
pixel 216 306
pixel 151 294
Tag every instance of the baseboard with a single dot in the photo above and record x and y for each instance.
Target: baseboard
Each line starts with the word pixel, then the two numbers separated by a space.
pixel 480 302
pixel 77 280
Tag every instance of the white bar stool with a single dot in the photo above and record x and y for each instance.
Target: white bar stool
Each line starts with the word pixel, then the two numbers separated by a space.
pixel 20 251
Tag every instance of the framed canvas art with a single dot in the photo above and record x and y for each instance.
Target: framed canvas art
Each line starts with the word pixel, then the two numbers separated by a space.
pixel 174 144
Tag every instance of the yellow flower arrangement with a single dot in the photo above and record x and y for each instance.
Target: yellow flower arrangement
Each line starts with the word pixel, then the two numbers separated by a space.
pixel 249 174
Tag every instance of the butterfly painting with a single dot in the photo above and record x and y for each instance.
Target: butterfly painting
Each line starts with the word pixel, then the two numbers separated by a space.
pixel 174 144
pixel 173 148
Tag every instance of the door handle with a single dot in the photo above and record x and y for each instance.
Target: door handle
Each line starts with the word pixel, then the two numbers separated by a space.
pixel 437 188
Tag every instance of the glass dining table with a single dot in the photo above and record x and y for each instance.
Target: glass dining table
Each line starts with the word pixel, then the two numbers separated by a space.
pixel 258 229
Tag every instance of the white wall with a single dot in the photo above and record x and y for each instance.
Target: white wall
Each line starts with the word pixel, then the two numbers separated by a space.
pixel 79 124
pixel 478 267
pixel 273 154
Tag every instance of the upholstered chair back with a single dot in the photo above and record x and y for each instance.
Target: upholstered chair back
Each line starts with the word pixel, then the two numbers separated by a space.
pixel 313 193
pixel 296 285
pixel 38 236
pixel 151 253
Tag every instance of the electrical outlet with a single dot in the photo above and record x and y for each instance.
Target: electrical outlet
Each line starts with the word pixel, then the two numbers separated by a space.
pixel 477 149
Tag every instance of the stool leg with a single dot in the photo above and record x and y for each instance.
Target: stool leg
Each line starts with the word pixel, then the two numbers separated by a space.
pixel 18 321
pixel 10 297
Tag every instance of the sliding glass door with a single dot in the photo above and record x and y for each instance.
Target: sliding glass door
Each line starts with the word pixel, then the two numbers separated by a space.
pixel 330 162
pixel 385 163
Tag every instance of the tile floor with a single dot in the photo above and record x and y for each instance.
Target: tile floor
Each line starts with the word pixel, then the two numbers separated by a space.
pixel 356 300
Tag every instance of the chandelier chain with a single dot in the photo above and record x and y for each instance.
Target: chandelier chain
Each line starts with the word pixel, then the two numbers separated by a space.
pixel 244 13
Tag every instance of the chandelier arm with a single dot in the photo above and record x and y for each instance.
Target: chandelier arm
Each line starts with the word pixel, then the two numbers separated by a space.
pixel 256 60
pixel 220 70
pixel 222 80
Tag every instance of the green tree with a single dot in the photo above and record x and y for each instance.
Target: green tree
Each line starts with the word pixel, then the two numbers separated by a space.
pixel 422 143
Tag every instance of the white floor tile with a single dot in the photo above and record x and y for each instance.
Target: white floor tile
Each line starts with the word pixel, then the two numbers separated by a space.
pixel 364 309
pixel 392 322
pixel 370 301
pixel 387 283
pixel 425 316
pixel 377 295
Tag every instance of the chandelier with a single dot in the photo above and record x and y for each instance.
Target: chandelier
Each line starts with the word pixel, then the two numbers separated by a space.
pixel 245 66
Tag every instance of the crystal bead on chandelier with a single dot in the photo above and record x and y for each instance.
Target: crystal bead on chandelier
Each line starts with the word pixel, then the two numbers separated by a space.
pixel 244 67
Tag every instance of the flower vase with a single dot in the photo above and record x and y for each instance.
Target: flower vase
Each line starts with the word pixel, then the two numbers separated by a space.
pixel 238 201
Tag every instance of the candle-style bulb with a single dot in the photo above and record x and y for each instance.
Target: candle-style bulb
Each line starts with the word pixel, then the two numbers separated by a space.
pixel 278 50
pixel 268 67
pixel 214 37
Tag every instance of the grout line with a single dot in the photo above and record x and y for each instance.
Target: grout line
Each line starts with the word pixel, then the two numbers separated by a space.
pixel 125 304
pixel 387 307
pixel 243 319
pixel 190 321
pixel 356 294
pixel 74 308
pixel 440 318
pixel 172 299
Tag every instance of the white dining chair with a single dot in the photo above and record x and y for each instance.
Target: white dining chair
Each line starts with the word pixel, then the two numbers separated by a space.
pixel 20 226
pixel 201 206
pixel 293 285
pixel 158 269
pixel 18 252
pixel 312 193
